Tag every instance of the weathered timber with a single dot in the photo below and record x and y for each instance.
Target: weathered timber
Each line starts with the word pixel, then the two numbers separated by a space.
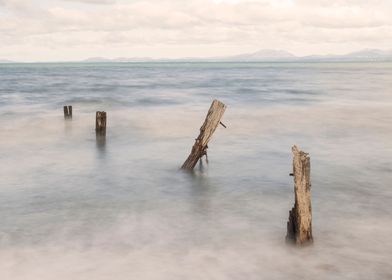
pixel 68 112
pixel 211 122
pixel 100 123
pixel 299 225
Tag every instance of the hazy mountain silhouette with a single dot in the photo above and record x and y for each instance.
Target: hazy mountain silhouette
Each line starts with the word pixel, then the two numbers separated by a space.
pixel 5 61
pixel 270 56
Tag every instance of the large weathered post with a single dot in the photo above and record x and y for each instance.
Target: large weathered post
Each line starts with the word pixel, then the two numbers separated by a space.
pixel 68 112
pixel 100 123
pixel 211 122
pixel 299 225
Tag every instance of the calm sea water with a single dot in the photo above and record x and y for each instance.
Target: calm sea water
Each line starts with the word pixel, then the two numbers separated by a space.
pixel 75 208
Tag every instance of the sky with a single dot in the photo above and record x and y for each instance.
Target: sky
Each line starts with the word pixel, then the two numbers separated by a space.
pixel 66 30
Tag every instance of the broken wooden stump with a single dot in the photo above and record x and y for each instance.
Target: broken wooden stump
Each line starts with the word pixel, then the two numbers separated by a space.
pixel 67 112
pixel 211 122
pixel 299 225
pixel 100 123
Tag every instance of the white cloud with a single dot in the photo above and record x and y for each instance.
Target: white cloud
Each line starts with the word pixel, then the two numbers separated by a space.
pixel 69 29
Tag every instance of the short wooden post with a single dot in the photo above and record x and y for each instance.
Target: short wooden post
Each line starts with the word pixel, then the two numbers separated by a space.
pixel 68 112
pixel 299 225
pixel 100 123
pixel 211 122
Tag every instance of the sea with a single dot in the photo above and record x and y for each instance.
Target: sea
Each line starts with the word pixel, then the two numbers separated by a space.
pixel 73 206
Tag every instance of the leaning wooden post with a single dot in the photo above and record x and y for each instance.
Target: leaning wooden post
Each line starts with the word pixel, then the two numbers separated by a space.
pixel 299 225
pixel 211 122
pixel 68 112
pixel 100 123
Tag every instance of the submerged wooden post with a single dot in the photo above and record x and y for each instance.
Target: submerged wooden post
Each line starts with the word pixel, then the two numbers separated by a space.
pixel 299 225
pixel 68 112
pixel 211 122
pixel 100 123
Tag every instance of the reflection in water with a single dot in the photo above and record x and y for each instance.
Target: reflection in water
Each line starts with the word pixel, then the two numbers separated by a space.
pixel 101 142
pixel 68 126
pixel 201 189
pixel 201 165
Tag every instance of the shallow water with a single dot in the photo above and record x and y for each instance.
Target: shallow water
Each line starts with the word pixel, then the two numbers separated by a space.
pixel 75 208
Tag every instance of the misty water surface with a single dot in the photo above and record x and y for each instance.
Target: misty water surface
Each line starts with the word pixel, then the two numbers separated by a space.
pixel 75 208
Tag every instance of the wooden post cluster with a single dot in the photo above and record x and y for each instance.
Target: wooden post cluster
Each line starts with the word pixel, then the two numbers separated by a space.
pixel 211 122
pixel 67 112
pixel 100 123
pixel 299 225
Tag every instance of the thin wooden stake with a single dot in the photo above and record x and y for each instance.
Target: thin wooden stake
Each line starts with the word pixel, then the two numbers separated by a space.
pixel 68 112
pixel 100 123
pixel 211 122
pixel 299 225
pixel 222 124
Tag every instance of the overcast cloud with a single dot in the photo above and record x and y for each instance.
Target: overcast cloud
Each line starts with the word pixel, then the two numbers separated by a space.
pixel 77 29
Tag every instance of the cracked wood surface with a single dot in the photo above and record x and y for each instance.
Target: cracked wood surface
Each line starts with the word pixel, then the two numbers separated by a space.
pixel 299 225
pixel 208 128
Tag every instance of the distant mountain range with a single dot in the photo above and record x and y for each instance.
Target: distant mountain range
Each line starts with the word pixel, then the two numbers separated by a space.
pixel 366 55
pixel 118 59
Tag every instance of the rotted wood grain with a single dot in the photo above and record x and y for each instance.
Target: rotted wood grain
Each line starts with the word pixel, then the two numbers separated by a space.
pixel 299 225
pixel 68 112
pixel 100 123
pixel 199 149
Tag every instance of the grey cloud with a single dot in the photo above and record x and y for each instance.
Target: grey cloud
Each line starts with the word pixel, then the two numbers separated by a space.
pixel 199 22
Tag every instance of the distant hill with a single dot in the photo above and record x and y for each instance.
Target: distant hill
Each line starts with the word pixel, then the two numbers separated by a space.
pixel 97 59
pixel 366 55
pixel 268 56
pixel 5 61
pixel 119 59
pixel 371 54
pixel 263 55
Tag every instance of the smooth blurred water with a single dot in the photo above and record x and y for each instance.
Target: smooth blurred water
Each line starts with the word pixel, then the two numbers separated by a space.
pixel 75 208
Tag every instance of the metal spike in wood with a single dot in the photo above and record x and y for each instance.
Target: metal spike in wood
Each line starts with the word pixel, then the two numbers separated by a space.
pixel 299 225
pixel 100 123
pixel 68 112
pixel 211 122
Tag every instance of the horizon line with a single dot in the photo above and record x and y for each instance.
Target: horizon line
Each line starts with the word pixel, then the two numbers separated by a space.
pixel 227 58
